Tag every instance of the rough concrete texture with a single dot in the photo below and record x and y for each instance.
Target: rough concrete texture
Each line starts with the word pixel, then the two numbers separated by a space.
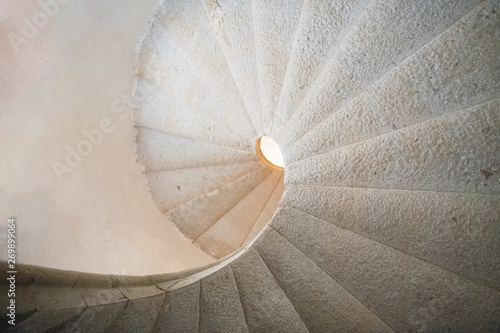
pixel 275 24
pixel 180 311
pixel 198 215
pixel 421 88
pixel 180 20
pixel 156 109
pixel 266 307
pixel 314 295
pixel 230 231
pixel 220 306
pixel 232 23
pixel 405 292
pixel 162 151
pixel 322 26
pixel 438 227
pixel 389 32
pixel 268 210
pixel 164 64
pixel 141 311
pixel 174 187
pixel 459 157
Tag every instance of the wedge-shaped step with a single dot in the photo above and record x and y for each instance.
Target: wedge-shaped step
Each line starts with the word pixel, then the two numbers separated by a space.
pixel 459 232
pixel 103 307
pixel 322 27
pixel 196 216
pixel 266 307
pixel 220 306
pixel 387 34
pixel 275 25
pixel 143 306
pixel 156 109
pixel 407 293
pixel 180 312
pixel 458 69
pixel 172 188
pixel 454 153
pixel 232 23
pixel 268 210
pixel 320 301
pixel 56 308
pixel 187 23
pixel 160 151
pixel 230 231
pixel 163 63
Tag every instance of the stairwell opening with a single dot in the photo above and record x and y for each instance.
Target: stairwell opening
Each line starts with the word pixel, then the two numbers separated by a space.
pixel 269 153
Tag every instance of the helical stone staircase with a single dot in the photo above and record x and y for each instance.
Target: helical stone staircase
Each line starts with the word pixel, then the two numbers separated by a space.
pixel 387 215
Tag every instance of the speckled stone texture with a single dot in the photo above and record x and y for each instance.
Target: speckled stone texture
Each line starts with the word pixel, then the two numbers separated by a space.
pixel 220 306
pixel 266 307
pixel 405 292
pixel 315 295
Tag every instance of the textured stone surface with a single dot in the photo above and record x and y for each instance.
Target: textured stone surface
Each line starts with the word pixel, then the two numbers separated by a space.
pixel 322 27
pixel 388 32
pixel 162 151
pixel 55 307
pixel 268 210
pixel 164 111
pixel 320 301
pixel 423 87
pixel 141 311
pixel 450 153
pixel 180 311
pixel 231 230
pixel 196 216
pixel 174 187
pixel 220 306
pixel 266 307
pixel 459 232
pixel 275 24
pixel 188 24
pixel 232 23
pixel 405 292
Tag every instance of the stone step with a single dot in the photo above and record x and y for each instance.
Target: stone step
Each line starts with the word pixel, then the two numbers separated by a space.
pixel 228 233
pixel 275 24
pixel 268 211
pixel 232 24
pixel 319 300
pixel 388 33
pixel 220 306
pixel 437 227
pixel 195 217
pixel 156 109
pixel 322 27
pixel 407 293
pixel 175 187
pixel 266 307
pixel 160 151
pixel 164 64
pixel 188 24
pixel 452 153
pixel 423 87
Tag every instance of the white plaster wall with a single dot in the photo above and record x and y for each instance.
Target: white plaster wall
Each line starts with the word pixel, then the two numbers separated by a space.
pixel 66 80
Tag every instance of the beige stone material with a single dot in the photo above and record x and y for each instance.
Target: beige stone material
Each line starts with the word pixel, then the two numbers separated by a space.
pixel 405 292
pixel 220 306
pixel 265 304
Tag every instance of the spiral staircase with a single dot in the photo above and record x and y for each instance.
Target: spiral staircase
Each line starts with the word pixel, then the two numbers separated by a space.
pixel 387 215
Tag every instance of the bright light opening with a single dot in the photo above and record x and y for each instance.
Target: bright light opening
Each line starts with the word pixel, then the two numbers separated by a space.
pixel 270 153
